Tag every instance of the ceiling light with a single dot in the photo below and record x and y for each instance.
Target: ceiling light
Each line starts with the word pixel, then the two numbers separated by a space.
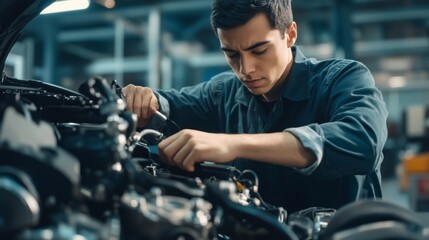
pixel 107 3
pixel 66 5
pixel 397 82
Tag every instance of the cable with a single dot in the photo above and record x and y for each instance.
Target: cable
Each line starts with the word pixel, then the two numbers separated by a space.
pixel 138 136
pixel 256 182
pixel 254 188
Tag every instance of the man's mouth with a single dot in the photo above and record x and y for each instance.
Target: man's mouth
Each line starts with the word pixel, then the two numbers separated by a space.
pixel 253 83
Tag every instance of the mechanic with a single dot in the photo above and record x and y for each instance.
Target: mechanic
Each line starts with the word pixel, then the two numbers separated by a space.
pixel 313 131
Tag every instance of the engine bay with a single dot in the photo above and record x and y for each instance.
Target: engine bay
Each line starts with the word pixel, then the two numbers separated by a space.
pixel 75 166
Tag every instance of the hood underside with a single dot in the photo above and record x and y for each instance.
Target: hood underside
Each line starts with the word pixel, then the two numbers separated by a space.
pixel 14 15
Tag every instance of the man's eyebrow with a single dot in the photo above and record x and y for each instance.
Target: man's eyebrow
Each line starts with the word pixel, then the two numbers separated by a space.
pixel 258 44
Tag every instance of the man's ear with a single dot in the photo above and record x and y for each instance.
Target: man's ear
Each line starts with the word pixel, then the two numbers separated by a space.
pixel 291 34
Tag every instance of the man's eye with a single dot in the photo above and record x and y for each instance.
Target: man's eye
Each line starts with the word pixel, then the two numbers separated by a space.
pixel 260 52
pixel 232 55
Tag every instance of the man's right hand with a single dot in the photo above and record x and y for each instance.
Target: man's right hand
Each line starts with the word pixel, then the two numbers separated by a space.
pixel 141 101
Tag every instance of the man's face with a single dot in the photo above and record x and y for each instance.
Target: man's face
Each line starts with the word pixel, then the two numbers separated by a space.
pixel 259 55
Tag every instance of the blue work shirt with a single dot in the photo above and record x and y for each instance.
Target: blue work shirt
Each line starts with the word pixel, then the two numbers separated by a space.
pixel 331 106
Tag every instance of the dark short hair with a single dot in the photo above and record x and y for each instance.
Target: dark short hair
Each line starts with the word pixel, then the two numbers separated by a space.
pixel 228 14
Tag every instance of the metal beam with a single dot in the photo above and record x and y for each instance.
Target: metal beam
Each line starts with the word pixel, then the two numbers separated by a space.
pixel 109 65
pixel 119 51
pixel 129 26
pixel 395 46
pixel 312 4
pixel 342 31
pixel 50 53
pixel 321 51
pixel 362 17
pixel 16 59
pixel 86 34
pixel 83 52
pixel 207 60
pixel 369 1
pixel 189 32
pixel 29 48
pixel 92 34
pixel 17 62
pixel 411 84
pixel 154 36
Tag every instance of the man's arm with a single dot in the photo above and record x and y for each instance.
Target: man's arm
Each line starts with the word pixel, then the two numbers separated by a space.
pixel 188 147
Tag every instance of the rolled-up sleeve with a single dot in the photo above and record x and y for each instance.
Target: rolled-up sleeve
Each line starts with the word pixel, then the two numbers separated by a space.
pixel 312 140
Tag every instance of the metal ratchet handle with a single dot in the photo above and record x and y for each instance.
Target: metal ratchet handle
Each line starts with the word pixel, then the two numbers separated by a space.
pixel 161 115
pixel 138 136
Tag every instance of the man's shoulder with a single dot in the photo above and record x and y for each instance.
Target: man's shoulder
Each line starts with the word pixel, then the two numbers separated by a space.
pixel 335 67
pixel 336 64
pixel 320 65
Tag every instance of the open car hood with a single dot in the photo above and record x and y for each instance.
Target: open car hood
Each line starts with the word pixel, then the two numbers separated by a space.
pixel 14 15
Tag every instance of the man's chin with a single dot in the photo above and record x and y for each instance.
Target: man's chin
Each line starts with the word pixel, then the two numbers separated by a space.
pixel 256 91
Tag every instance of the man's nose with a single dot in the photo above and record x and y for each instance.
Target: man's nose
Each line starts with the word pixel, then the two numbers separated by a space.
pixel 247 65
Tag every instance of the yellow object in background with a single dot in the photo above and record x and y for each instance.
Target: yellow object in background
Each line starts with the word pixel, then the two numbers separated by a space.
pixel 415 179
pixel 418 163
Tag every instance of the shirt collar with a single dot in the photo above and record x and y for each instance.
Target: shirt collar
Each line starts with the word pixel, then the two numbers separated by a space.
pixel 296 86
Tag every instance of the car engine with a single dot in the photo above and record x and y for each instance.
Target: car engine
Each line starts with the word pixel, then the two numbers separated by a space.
pixel 74 164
